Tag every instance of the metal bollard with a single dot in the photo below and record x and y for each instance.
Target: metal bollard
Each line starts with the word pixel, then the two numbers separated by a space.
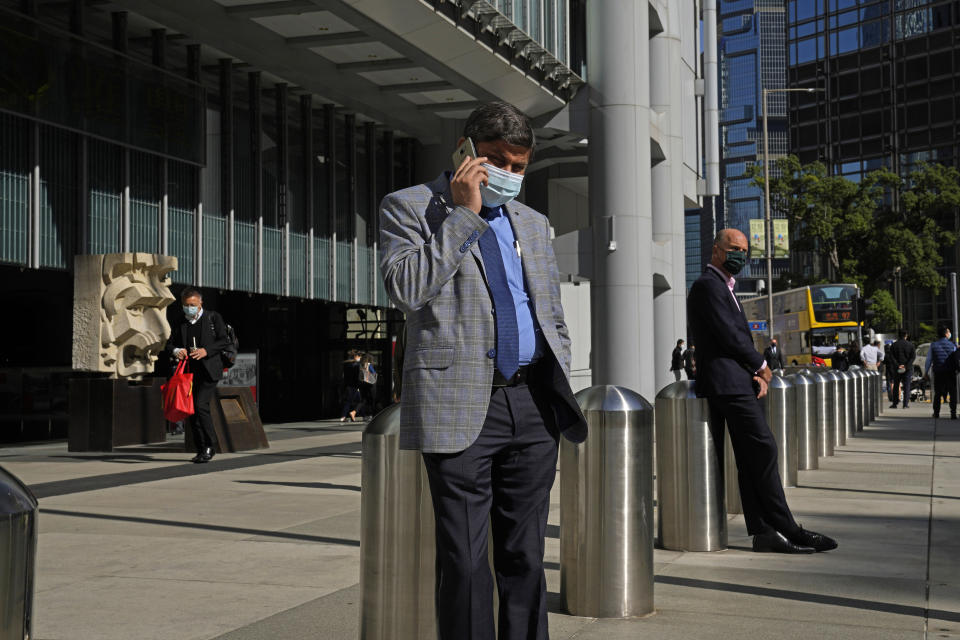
pixel 826 400
pixel 691 515
pixel 866 381
pixel 879 396
pixel 850 405
pixel 397 545
pixel 874 395
pixel 840 411
pixel 606 508
pixel 18 552
pixel 731 476
pixel 808 435
pixel 857 403
pixel 782 421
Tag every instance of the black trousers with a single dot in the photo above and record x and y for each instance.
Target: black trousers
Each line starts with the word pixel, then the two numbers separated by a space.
pixel 902 379
pixel 503 478
pixel 944 384
pixel 761 489
pixel 201 422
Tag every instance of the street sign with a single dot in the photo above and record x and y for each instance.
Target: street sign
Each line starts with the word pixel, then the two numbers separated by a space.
pixel 758 325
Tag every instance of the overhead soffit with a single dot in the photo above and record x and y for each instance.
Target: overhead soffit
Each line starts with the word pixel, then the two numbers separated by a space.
pixel 420 45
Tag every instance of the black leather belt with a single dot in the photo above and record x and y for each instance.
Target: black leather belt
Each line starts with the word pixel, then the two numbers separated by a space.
pixel 520 377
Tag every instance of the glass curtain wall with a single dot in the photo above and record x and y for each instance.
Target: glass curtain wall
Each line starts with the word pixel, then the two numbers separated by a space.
pixel 752 58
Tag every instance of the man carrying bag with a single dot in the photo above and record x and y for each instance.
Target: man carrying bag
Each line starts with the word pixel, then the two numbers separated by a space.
pixel 201 339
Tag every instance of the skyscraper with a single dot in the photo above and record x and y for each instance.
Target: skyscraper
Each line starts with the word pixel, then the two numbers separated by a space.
pixel 752 58
pixel 891 98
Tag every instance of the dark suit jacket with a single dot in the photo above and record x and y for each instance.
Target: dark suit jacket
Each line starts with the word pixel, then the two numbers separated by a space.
pixel 903 352
pixel 773 361
pixel 213 338
pixel 726 358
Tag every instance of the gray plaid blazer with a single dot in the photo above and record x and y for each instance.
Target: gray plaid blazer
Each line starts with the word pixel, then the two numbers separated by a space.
pixel 433 271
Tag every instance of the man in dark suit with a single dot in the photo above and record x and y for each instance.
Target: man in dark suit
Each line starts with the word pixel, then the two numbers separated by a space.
pixel 486 391
pixel 903 354
pixel 733 377
pixel 773 356
pixel 676 360
pixel 690 362
pixel 201 337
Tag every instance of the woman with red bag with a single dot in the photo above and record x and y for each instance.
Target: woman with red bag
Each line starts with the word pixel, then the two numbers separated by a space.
pixel 199 341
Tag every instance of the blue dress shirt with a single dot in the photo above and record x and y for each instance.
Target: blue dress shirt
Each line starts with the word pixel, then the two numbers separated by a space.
pixel 531 337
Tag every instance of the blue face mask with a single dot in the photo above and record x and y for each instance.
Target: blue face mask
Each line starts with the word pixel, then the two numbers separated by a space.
pixel 502 186
pixel 190 311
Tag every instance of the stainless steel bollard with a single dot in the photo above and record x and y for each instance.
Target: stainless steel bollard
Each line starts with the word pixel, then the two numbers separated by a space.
pixel 397 545
pixel 850 405
pixel 841 412
pixel 874 395
pixel 606 508
pixel 782 421
pixel 879 396
pixel 826 413
pixel 690 481
pixel 731 476
pixel 865 381
pixel 857 408
pixel 18 553
pixel 808 434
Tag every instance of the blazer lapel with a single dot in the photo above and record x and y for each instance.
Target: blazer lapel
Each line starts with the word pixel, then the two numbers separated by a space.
pixel 525 232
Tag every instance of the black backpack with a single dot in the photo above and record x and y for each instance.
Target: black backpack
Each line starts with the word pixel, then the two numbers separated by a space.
pixel 229 355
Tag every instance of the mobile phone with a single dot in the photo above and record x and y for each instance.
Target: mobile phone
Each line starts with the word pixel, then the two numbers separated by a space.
pixel 464 150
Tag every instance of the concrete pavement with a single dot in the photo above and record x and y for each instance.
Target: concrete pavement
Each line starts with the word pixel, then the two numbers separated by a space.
pixel 141 544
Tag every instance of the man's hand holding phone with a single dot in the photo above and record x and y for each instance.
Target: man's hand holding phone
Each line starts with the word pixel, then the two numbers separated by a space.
pixel 468 175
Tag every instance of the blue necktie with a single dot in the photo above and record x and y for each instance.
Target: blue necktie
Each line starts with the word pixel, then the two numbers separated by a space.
pixel 508 335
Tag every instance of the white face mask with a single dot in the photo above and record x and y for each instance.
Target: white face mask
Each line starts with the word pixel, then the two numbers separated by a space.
pixel 502 186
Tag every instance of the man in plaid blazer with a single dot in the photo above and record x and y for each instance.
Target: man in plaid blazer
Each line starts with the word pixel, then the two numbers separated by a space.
pixel 476 276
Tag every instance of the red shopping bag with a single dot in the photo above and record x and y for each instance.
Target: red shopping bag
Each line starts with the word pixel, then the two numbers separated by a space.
pixel 178 394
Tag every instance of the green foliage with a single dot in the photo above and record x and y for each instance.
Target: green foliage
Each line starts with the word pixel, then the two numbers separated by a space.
pixel 925 333
pixel 865 231
pixel 887 318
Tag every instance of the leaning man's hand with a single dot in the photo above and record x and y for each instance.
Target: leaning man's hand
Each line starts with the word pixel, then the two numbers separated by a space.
pixel 763 386
pixel 198 354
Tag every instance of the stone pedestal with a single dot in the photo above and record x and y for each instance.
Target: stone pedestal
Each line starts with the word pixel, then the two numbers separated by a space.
pixel 108 413
pixel 236 422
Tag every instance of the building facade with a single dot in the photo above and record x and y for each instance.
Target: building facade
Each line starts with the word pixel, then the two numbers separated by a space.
pixel 752 58
pixel 254 141
pixel 888 71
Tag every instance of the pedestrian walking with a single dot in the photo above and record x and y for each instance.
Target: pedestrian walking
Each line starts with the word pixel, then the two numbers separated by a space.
pixel 773 356
pixel 690 362
pixel 201 338
pixel 676 360
pixel 941 361
pixel 350 387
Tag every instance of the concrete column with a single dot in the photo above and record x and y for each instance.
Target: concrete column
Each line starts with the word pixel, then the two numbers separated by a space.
pixel 667 75
pixel 621 293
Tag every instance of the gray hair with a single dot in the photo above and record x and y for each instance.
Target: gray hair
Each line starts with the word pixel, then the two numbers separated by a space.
pixel 499 121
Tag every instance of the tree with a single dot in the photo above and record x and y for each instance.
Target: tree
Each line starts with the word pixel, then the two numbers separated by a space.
pixel 865 230
pixel 886 318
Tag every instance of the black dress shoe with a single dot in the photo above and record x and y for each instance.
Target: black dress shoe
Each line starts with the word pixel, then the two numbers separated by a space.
pixel 817 541
pixel 776 542
pixel 198 458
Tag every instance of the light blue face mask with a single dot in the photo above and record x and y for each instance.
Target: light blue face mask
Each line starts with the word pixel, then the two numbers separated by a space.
pixel 502 186
pixel 190 311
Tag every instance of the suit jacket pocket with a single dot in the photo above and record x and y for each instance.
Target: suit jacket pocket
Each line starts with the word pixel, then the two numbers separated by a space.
pixel 429 358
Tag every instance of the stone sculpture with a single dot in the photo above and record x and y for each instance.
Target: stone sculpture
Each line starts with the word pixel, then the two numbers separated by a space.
pixel 119 318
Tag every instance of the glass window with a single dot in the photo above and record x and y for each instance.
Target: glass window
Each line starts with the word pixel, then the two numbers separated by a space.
pixel 847 40
pixel 806 9
pixel 850 17
pixel 846 4
pixel 806 50
pixel 871 34
pixel 806 29
pixel 873 11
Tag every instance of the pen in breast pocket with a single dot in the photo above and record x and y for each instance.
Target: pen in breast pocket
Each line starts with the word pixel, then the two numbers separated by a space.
pixel 516 246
